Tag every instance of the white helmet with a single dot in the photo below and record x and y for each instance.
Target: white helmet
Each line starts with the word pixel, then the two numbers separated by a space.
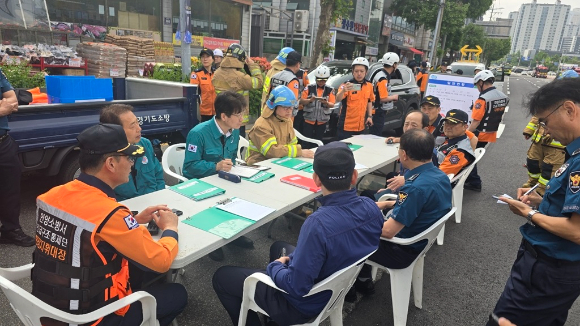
pixel 390 58
pixel 479 66
pixel 484 75
pixel 218 53
pixel 360 61
pixel 428 64
pixel 322 72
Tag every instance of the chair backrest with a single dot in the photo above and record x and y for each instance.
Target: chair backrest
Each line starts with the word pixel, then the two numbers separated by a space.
pixel 338 283
pixel 242 144
pixel 310 140
pixel 172 161
pixel 462 176
pixel 30 309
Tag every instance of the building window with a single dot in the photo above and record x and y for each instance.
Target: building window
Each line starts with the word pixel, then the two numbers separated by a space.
pixel 214 18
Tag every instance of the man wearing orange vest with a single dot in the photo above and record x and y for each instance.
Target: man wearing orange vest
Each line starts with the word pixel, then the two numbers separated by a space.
pixel 422 78
pixel 202 79
pixel 84 238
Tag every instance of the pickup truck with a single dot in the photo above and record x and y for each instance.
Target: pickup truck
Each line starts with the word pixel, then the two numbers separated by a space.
pixel 46 134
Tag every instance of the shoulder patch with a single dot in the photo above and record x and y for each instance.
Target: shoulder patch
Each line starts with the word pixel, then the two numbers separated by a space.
pixel 574 183
pixel 561 170
pixel 193 75
pixel 454 159
pixel 144 160
pixel 131 222
pixel 192 148
pixel 402 197
pixel 296 86
pixel 576 152
pixel 413 177
pixel 477 105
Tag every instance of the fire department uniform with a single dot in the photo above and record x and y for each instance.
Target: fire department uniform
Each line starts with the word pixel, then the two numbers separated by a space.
pixel 203 79
pixel 277 66
pixel 317 115
pixel 351 120
pixel 303 81
pixel 286 78
pixel 382 84
pixel 545 156
pixel 270 137
pixel 230 76
pixel 422 79
pixel 454 155
pixel 84 239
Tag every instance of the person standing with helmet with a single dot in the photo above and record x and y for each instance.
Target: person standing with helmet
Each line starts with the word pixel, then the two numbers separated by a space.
pixel 273 134
pixel 422 78
pixel 318 100
pixel 487 113
pixel 231 76
pixel 382 88
pixel 218 56
pixel 478 68
pixel 202 79
pixel 278 64
pixel 287 77
pixel 357 99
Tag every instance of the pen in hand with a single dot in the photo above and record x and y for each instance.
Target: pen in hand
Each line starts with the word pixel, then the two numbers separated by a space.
pixel 531 189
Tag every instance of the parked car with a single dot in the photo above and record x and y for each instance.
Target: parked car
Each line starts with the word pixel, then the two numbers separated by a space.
pixel 402 81
pixel 518 70
pixel 527 73
pixel 507 71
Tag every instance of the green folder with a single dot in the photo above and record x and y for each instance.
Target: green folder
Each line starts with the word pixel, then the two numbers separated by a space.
pixel 259 177
pixel 309 170
pixel 197 190
pixel 293 163
pixel 218 222
pixel 354 147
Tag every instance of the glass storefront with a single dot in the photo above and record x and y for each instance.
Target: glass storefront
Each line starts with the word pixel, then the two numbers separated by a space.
pixel 213 18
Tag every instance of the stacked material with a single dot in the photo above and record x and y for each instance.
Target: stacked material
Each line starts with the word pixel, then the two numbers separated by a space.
pixel 104 59
pixel 164 52
pixel 139 51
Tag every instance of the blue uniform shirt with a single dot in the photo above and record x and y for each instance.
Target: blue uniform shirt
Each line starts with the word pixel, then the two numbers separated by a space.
pixel 562 198
pixel 204 149
pixel 423 200
pixel 4 87
pixel 345 229
pixel 149 175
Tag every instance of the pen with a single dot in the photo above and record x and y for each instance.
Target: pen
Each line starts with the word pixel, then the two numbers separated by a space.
pixel 241 162
pixel 531 189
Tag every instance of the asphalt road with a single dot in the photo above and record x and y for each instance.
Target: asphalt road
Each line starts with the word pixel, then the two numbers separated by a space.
pixel 463 278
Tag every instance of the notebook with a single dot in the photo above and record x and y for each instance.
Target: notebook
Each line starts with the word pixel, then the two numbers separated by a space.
pixel 197 190
pixel 244 171
pixel 302 182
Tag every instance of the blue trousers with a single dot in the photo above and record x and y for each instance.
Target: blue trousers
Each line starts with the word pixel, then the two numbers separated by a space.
pixel 539 291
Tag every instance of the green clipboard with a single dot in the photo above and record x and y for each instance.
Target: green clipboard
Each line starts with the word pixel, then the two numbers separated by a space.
pixel 196 189
pixel 292 163
pixel 218 222
pixel 259 177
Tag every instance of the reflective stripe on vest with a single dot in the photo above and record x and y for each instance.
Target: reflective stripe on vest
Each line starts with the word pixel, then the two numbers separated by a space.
pixel 385 106
pixel 314 111
pixel 495 103
pixel 284 78
pixel 445 149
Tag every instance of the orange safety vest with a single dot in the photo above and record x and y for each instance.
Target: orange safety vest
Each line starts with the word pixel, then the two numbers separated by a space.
pixel 202 78
pixel 72 272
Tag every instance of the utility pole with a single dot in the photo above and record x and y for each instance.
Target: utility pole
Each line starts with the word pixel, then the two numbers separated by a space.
pixel 437 31
pixel 184 16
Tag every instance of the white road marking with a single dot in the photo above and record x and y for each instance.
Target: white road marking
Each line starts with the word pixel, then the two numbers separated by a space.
pixel 508 93
pixel 507 108
pixel 500 129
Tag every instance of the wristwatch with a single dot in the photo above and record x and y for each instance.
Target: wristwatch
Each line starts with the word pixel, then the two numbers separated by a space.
pixel 529 216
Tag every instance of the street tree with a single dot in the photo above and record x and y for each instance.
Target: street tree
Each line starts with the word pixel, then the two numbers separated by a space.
pixel 473 35
pixel 495 49
pixel 330 11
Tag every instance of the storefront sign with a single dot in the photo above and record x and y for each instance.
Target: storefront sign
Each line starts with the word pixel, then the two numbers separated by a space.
pixel 350 25
pixel 409 41
pixel 218 43
pixel 371 50
pixel 387 22
pixel 156 36
pixel 397 38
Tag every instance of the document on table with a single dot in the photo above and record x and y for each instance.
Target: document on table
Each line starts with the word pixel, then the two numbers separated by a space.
pixel 245 209
pixel 244 171
pixel 359 166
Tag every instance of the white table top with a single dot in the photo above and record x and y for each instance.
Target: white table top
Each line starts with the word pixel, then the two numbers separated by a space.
pixel 195 243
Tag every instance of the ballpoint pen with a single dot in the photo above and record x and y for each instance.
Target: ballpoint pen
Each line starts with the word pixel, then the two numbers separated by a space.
pixel 531 189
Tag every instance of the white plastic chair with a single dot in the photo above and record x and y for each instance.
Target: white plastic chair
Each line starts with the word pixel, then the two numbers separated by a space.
pixel 441 235
pixel 243 143
pixel 30 309
pixel 310 140
pixel 401 279
pixel 460 181
pixel 172 161
pixel 338 283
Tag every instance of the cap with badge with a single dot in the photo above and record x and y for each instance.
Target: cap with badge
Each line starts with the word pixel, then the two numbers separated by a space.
pixel 206 51
pixel 294 56
pixel 107 139
pixel 334 161
pixel 456 116
pixel 433 100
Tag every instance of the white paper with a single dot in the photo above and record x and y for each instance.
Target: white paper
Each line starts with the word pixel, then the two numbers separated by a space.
pixel 368 136
pixel 246 209
pixel 504 195
pixel 359 166
pixel 244 171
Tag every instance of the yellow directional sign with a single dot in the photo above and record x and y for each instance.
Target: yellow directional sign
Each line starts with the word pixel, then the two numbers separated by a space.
pixel 471 55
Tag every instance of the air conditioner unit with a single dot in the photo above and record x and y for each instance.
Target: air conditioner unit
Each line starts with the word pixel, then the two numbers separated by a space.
pixel 300 20
pixel 273 22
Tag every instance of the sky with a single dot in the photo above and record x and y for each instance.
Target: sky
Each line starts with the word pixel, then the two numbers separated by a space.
pixel 514 5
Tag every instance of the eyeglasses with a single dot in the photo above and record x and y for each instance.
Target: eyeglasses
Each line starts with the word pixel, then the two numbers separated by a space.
pixel 544 121
pixel 238 115
pixel 129 157
pixel 286 108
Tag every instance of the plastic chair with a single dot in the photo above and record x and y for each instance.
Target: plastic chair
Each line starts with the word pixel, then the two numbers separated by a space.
pixel 172 160
pixel 401 279
pixel 310 140
pixel 460 181
pixel 243 143
pixel 30 309
pixel 441 235
pixel 338 283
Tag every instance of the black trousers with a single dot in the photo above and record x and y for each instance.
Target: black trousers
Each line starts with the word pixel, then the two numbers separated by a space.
pixel 390 255
pixel 314 131
pixel 539 292
pixel 228 283
pixel 171 301
pixel 10 172
pixel 378 122
pixel 473 177
pixel 298 123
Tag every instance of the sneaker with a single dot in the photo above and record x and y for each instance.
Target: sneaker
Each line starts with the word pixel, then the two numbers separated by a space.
pixel 365 287
pixel 470 186
pixel 17 237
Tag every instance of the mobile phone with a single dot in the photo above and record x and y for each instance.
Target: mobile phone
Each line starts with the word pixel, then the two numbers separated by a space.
pixel 153 228
pixel 177 212
pixel 319 98
pixel 493 319
pixel 356 87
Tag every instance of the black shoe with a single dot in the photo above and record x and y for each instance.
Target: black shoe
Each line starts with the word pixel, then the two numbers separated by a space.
pixel 365 287
pixel 244 242
pixel 216 255
pixel 17 237
pixel 350 295
pixel 473 187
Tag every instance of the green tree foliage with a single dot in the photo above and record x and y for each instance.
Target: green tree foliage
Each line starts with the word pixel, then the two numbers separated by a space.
pixel 495 49
pixel 330 10
pixel 21 76
pixel 473 35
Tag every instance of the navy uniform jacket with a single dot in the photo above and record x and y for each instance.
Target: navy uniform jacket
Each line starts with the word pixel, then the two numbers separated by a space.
pixel 206 146
pixel 562 198
pixel 4 87
pixel 422 200
pixel 345 229
pixel 149 175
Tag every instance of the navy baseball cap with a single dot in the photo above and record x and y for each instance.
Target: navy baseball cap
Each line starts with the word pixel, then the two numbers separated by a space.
pixel 457 116
pixel 107 138
pixel 433 100
pixel 334 161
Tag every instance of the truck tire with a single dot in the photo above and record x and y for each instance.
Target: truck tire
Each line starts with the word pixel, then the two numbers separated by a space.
pixel 70 169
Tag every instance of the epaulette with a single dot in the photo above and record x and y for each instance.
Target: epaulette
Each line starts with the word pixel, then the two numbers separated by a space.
pixel 576 152
pixel 413 177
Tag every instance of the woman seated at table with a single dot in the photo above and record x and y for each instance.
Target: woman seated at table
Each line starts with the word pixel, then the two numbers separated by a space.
pixel 273 133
